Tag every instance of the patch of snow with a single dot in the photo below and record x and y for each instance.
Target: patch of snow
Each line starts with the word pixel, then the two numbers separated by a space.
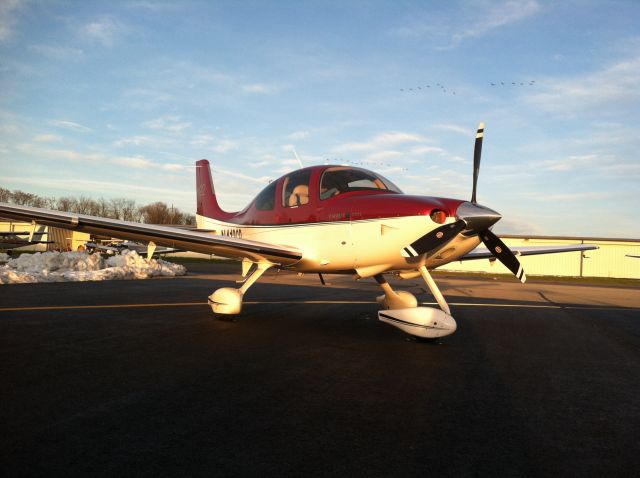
pixel 82 266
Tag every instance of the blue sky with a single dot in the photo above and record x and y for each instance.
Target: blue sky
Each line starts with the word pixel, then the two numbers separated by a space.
pixel 119 99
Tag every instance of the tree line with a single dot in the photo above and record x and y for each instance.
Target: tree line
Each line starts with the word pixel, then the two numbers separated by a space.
pixel 117 208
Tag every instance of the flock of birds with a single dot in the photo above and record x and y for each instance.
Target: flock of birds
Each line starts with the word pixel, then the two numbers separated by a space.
pixel 364 164
pixel 443 89
pixel 513 83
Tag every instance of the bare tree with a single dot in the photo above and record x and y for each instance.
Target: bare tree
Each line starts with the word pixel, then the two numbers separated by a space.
pixel 49 202
pixel 116 205
pixel 155 213
pixel 25 199
pixel 116 208
pixel 103 208
pixel 5 195
pixel 85 205
pixel 67 204
pixel 130 211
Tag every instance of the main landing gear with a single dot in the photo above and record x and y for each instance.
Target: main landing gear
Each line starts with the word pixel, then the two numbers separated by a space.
pixel 401 310
pixel 228 301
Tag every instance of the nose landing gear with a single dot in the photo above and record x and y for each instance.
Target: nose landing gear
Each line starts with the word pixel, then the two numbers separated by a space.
pixel 401 310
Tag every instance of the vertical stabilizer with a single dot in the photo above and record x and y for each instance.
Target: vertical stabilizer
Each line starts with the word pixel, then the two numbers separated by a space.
pixel 207 204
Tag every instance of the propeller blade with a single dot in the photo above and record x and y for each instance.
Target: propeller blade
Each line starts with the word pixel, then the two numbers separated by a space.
pixel 503 254
pixel 477 154
pixel 434 239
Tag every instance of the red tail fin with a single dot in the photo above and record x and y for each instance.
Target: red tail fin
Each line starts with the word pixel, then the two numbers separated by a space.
pixel 207 204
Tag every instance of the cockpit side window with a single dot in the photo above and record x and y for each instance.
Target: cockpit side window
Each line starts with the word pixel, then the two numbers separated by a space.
pixel 340 180
pixel 266 200
pixel 295 189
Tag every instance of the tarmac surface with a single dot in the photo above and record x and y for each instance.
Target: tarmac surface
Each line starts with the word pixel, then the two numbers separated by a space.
pixel 138 378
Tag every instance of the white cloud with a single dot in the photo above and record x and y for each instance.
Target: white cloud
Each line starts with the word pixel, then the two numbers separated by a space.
pixel 154 6
pixel 84 185
pixel 261 180
pixel 135 141
pixel 146 98
pixel 260 88
pixel 571 163
pixel 201 140
pixel 58 52
pixel 8 11
pixel 267 160
pixel 380 141
pixel 455 128
pixel 47 138
pixel 70 125
pixel 137 162
pixel 8 128
pixel 427 150
pixel 261 164
pixel 224 146
pixel 614 84
pixel 564 197
pixel 476 20
pixel 168 123
pixel 496 15
pixel 382 156
pixel 175 167
pixel 298 135
pixel 43 152
pixel 106 30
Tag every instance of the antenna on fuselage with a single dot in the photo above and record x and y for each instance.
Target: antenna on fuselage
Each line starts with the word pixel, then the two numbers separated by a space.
pixel 297 157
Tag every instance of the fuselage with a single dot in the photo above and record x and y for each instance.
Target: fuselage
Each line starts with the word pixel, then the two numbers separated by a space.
pixel 361 226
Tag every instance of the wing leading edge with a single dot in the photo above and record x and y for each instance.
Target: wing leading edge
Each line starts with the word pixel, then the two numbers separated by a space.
pixel 168 236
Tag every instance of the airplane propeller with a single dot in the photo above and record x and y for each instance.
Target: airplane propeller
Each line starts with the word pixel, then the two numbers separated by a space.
pixel 479 218
pixel 473 218
pixel 503 254
pixel 477 154
pixel 435 239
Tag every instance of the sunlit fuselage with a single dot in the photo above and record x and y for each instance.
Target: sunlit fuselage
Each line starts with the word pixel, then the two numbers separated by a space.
pixel 362 230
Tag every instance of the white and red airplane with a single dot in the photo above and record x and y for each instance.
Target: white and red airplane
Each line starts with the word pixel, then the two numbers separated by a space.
pixel 329 219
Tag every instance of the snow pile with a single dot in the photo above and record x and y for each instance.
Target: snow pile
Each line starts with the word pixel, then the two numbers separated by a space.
pixel 82 266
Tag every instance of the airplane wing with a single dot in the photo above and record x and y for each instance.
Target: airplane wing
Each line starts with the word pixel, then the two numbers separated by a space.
pixel 483 253
pixel 161 235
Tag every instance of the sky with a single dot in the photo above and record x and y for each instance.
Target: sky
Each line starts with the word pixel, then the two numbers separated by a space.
pixel 119 99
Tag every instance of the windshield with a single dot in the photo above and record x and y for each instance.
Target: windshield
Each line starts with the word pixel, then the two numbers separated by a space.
pixel 341 179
